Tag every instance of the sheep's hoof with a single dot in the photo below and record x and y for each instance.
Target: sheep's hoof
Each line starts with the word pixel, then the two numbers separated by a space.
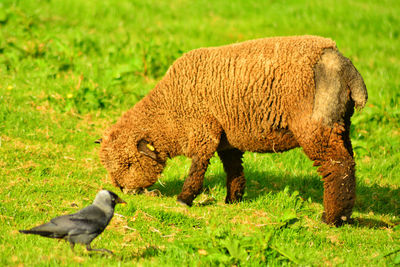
pixel 183 203
pixel 236 199
pixel 339 221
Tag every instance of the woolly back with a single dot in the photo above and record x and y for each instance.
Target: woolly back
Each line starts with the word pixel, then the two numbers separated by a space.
pixel 256 84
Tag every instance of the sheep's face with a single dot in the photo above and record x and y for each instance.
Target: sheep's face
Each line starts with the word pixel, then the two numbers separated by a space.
pixel 132 164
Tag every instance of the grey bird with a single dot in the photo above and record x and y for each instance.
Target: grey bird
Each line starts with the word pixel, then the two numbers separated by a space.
pixel 83 226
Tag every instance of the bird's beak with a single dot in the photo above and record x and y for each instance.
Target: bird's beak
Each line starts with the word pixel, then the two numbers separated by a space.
pixel 120 200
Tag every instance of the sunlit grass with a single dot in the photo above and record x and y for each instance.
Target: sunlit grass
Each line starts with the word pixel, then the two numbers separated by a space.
pixel 68 69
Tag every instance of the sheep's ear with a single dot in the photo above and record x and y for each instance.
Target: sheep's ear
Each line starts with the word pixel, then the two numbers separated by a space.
pixel 147 149
pixel 98 141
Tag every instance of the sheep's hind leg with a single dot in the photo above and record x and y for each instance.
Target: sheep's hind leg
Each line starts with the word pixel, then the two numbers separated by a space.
pixel 235 181
pixel 330 148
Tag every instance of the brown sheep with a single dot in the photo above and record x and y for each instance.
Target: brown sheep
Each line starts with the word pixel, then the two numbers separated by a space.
pixel 265 95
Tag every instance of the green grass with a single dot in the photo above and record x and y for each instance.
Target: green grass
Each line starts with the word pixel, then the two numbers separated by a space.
pixel 68 69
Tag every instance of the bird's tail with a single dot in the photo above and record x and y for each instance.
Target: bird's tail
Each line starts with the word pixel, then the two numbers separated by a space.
pixel 36 232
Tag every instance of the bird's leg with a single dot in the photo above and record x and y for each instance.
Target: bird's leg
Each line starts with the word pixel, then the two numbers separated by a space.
pixel 89 248
pixel 72 245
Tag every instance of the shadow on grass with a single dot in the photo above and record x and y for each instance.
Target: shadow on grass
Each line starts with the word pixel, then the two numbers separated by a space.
pixel 370 223
pixel 370 198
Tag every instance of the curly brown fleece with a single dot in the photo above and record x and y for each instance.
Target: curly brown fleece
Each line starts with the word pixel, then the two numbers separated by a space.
pixel 265 95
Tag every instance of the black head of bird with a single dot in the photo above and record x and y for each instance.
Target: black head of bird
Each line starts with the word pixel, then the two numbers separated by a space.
pixel 83 226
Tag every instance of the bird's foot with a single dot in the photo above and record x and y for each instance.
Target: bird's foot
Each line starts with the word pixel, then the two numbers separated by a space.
pixel 89 248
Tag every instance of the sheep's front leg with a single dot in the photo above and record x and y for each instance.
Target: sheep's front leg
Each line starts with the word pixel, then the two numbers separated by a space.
pixel 203 141
pixel 194 182
pixel 235 181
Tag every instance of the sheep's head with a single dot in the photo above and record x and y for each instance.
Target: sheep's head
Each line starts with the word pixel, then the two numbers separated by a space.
pixel 133 163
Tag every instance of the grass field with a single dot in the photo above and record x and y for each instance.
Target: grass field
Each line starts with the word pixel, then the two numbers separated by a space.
pixel 68 69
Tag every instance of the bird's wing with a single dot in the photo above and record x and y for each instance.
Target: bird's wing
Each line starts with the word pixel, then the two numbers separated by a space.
pixel 89 220
pixel 56 228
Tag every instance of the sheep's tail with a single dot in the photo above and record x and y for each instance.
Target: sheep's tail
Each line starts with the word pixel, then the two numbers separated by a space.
pixel 358 90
